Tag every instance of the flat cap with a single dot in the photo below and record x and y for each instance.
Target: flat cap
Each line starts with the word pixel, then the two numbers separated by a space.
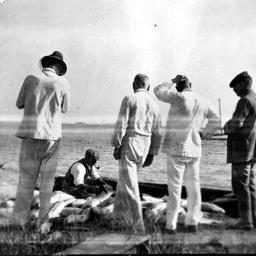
pixel 93 153
pixel 239 78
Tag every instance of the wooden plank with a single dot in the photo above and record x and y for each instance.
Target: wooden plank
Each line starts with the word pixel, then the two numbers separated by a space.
pixel 111 243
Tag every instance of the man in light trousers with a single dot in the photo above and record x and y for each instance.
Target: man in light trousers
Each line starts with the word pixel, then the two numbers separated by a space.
pixel 137 138
pixel 182 144
pixel 43 97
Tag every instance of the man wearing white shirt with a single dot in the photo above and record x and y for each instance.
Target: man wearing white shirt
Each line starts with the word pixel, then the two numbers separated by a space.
pixel 136 138
pixel 82 179
pixel 182 145
pixel 43 98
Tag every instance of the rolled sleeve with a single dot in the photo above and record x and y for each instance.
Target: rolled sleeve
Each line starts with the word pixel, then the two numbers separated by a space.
pixel 78 171
pixel 163 93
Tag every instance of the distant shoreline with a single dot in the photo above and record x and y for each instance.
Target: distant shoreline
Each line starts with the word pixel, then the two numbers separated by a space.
pixel 15 124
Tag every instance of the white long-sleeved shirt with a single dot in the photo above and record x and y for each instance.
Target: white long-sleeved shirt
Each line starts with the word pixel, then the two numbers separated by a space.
pixel 139 114
pixel 81 174
pixel 187 115
pixel 43 99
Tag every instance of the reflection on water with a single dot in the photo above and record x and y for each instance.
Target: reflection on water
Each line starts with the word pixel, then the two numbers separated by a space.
pixel 77 139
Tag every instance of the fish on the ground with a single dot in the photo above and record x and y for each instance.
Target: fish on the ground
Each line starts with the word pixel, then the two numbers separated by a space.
pixel 80 202
pixel 56 236
pixel 58 196
pixel 97 200
pixel 78 218
pixel 157 213
pixel 103 211
pixel 107 202
pixel 150 199
pixel 66 211
pixel 205 206
pixel 210 207
pixel 206 218
pixel 59 206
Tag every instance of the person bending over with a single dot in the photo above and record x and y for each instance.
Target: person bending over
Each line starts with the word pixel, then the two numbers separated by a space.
pixel 82 179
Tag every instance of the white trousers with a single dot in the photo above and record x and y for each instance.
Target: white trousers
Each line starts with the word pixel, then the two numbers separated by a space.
pixel 127 204
pixel 179 169
pixel 36 157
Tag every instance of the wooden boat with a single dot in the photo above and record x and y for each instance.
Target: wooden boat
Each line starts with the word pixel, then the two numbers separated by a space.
pixel 223 198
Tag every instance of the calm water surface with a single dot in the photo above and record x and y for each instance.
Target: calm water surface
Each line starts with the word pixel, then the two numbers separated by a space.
pixel 215 172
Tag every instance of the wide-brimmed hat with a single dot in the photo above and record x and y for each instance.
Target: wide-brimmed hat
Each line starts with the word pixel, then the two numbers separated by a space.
pixel 93 153
pixel 56 57
pixel 240 77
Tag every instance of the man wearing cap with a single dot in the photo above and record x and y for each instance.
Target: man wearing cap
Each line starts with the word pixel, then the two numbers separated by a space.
pixel 241 150
pixel 43 97
pixel 137 139
pixel 82 179
pixel 182 145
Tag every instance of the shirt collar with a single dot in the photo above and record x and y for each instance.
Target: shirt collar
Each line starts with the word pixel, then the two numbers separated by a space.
pixel 48 70
pixel 141 90
pixel 188 89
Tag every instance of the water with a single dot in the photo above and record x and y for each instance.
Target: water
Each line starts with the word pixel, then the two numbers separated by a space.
pixel 215 173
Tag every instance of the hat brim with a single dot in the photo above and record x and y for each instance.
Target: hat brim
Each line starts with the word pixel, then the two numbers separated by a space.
pixel 63 69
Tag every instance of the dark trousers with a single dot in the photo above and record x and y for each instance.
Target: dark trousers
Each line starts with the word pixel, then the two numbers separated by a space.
pixel 244 188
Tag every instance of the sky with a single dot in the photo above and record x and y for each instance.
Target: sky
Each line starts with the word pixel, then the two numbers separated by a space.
pixel 105 43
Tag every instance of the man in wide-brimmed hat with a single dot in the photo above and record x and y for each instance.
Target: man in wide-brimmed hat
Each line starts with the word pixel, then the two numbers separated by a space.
pixel 241 150
pixel 43 97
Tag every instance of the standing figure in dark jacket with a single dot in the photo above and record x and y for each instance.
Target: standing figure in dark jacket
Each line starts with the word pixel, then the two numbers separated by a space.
pixel 241 150
pixel 82 179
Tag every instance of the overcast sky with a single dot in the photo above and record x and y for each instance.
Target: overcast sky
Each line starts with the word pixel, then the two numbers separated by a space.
pixel 105 43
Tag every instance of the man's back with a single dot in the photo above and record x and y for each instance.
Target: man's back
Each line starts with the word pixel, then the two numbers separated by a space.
pixel 139 114
pixel 143 113
pixel 43 99
pixel 187 116
pixel 246 104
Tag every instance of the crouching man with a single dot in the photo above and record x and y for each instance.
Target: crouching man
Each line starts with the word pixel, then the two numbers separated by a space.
pixel 82 179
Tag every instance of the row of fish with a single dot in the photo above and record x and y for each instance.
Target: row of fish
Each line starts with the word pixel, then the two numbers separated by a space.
pixel 74 210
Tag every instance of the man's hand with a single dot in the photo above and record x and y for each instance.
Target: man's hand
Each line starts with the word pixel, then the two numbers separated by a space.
pixel 177 79
pixel 148 161
pixel 117 153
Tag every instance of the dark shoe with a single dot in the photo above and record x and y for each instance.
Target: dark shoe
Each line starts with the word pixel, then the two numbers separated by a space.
pixel 191 228
pixel 171 231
